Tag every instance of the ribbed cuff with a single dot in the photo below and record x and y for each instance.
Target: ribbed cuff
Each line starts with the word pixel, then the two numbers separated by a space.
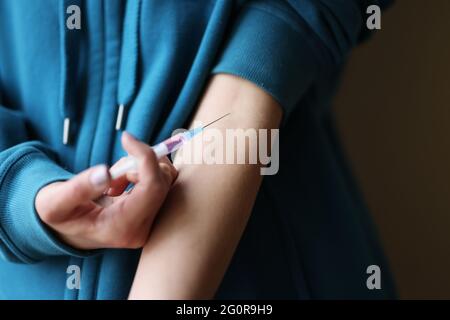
pixel 268 47
pixel 22 232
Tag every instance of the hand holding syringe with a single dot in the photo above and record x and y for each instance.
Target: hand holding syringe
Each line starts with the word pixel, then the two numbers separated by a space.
pixel 161 149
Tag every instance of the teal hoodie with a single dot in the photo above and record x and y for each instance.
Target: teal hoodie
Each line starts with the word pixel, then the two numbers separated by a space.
pixel 142 65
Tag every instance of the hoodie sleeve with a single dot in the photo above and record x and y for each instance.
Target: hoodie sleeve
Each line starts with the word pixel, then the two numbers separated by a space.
pixel 25 167
pixel 283 46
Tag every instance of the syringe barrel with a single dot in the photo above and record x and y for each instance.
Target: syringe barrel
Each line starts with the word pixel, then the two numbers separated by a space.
pixel 170 145
pixel 161 149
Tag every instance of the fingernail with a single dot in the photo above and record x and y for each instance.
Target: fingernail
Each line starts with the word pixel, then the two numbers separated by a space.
pixel 99 177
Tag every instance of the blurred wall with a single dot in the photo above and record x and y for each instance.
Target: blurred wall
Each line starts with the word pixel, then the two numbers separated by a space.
pixel 394 116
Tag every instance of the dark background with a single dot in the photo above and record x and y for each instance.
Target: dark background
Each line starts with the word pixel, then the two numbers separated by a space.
pixel 394 116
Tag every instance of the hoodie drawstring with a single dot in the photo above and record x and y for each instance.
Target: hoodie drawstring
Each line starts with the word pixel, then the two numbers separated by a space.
pixel 69 40
pixel 129 59
pixel 127 79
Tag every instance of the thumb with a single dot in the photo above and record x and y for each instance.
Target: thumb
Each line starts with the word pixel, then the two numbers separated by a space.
pixel 87 185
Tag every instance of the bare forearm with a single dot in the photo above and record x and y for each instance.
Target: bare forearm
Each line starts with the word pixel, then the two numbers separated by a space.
pixel 206 212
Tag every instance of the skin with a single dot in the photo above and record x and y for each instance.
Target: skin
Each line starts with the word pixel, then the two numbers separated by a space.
pixel 90 216
pixel 206 211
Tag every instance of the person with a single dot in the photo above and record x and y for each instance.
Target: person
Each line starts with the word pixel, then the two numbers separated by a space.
pixel 75 101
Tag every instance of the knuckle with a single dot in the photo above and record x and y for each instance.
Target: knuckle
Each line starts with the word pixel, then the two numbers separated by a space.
pixel 165 167
pixel 135 241
pixel 168 170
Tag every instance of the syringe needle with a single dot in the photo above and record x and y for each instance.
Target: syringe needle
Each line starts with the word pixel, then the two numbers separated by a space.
pixel 216 120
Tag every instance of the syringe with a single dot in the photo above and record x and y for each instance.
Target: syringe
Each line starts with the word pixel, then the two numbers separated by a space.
pixel 161 149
